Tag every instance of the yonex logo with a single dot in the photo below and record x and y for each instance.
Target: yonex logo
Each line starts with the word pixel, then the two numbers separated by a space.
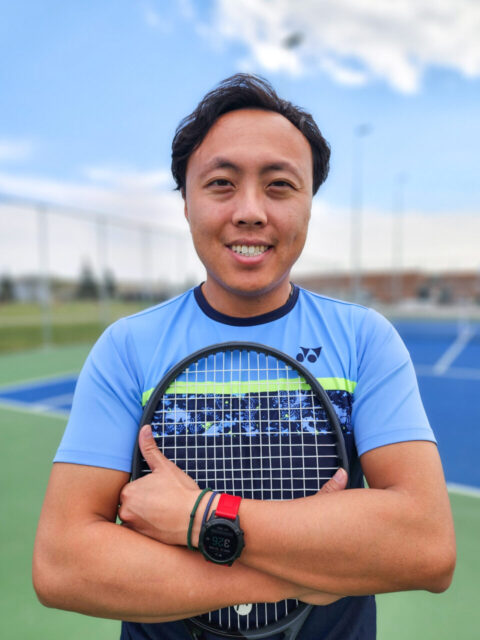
pixel 310 353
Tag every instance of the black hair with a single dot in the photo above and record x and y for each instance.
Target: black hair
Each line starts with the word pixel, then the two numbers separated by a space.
pixel 244 91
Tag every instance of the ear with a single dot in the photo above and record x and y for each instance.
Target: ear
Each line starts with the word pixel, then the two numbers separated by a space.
pixel 185 210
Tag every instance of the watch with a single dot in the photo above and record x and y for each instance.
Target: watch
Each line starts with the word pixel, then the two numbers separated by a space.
pixel 221 538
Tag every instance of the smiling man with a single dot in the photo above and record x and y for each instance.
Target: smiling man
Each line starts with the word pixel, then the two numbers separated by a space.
pixel 247 165
pixel 248 195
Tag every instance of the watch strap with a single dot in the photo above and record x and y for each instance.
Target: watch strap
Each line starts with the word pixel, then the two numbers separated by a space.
pixel 228 506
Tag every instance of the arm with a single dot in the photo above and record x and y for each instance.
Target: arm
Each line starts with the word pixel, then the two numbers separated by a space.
pixel 396 535
pixel 85 562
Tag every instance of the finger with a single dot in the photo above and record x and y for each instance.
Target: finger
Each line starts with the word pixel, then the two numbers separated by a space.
pixel 153 456
pixel 337 483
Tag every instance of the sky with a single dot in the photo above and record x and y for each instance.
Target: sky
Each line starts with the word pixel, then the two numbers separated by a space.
pixel 91 94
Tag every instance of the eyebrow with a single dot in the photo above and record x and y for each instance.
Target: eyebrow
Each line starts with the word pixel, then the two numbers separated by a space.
pixel 219 163
pixel 223 163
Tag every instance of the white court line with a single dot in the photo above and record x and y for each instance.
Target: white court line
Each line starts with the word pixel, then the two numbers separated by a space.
pixel 463 489
pixel 461 373
pixel 36 409
pixel 454 350
pixel 39 381
pixel 54 401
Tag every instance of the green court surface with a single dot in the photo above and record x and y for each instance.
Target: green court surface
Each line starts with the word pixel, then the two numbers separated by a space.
pixel 28 443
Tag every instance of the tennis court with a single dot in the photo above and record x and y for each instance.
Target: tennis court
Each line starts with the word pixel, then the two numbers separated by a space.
pixel 35 393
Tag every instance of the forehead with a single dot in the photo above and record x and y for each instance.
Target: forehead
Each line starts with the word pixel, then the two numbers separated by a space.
pixel 253 137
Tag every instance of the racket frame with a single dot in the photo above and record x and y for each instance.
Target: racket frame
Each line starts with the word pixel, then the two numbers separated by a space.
pixel 291 624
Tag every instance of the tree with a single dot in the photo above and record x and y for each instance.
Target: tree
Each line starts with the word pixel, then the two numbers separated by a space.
pixel 7 289
pixel 87 285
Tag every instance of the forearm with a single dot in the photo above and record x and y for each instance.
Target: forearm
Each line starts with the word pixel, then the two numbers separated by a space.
pixel 357 541
pixel 107 570
pixel 350 543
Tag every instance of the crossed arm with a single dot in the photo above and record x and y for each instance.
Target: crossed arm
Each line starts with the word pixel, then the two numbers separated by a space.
pixel 396 535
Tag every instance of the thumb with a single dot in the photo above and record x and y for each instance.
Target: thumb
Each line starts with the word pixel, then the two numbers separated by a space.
pixel 149 449
pixel 336 483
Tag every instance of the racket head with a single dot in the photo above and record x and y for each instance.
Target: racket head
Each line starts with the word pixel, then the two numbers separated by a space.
pixel 138 463
pixel 246 419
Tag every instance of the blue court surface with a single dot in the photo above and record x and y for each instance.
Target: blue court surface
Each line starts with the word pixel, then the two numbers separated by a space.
pixel 447 360
pixel 50 395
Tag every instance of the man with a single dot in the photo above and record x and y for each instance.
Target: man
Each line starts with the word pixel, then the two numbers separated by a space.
pixel 247 165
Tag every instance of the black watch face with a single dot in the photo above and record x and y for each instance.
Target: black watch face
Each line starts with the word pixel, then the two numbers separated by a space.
pixel 220 542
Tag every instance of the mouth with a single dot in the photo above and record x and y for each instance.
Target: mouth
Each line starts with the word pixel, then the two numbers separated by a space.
pixel 249 251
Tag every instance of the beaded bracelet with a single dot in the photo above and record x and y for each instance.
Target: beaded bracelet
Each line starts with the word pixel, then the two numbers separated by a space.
pixel 192 517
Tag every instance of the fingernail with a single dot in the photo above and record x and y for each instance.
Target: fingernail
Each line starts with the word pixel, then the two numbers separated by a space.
pixel 339 476
pixel 146 430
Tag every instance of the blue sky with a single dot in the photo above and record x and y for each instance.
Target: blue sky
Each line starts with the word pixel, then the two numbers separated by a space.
pixel 92 93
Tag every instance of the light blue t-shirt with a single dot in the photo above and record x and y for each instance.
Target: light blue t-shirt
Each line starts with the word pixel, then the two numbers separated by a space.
pixel 357 355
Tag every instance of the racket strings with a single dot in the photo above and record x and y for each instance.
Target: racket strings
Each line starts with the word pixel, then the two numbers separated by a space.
pixel 247 423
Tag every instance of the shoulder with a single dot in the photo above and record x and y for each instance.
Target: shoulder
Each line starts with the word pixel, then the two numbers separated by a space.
pixel 132 339
pixel 148 321
pixel 151 315
pixel 351 326
pixel 355 316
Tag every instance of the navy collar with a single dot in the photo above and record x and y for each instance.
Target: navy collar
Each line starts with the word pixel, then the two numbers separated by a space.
pixel 245 322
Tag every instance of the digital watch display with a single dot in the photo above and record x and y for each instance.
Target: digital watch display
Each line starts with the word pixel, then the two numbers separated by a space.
pixel 221 538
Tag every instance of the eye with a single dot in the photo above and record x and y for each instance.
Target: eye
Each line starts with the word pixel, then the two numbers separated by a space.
pixel 281 184
pixel 219 183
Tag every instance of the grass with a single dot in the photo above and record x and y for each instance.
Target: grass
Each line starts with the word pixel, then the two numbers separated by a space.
pixel 28 444
pixel 23 325
pixel 455 613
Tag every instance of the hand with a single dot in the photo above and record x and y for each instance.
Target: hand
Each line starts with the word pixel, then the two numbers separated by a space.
pixel 337 482
pixel 159 504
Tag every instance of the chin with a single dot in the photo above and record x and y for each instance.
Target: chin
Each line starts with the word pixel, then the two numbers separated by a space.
pixel 253 289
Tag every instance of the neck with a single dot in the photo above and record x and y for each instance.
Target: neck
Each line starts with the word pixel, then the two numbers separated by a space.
pixel 242 304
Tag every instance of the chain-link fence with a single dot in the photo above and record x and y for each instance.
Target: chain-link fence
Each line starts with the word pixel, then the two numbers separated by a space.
pixel 67 272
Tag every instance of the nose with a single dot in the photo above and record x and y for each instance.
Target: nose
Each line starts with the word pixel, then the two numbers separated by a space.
pixel 249 209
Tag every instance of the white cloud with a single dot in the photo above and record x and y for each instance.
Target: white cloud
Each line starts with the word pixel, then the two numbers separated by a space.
pixel 130 179
pixel 187 9
pixel 154 20
pixel 147 196
pixel 15 150
pixel 354 41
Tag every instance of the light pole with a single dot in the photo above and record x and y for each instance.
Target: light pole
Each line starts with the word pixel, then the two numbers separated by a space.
pixel 398 206
pixel 360 132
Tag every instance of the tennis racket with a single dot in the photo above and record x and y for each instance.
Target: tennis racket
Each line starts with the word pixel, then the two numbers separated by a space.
pixel 245 419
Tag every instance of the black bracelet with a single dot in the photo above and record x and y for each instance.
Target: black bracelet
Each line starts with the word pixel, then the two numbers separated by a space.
pixel 210 500
pixel 192 517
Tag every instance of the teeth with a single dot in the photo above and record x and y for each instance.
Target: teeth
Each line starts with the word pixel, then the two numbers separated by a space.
pixel 252 250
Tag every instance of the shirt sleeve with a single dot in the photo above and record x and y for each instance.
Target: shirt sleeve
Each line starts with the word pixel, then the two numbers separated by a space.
pixel 387 407
pixel 106 409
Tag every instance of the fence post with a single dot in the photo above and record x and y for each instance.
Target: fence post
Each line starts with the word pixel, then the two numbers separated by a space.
pixel 44 292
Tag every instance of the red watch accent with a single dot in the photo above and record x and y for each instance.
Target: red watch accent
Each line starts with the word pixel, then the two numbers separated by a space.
pixel 228 506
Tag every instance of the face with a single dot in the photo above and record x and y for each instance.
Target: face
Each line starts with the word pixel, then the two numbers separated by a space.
pixel 248 199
